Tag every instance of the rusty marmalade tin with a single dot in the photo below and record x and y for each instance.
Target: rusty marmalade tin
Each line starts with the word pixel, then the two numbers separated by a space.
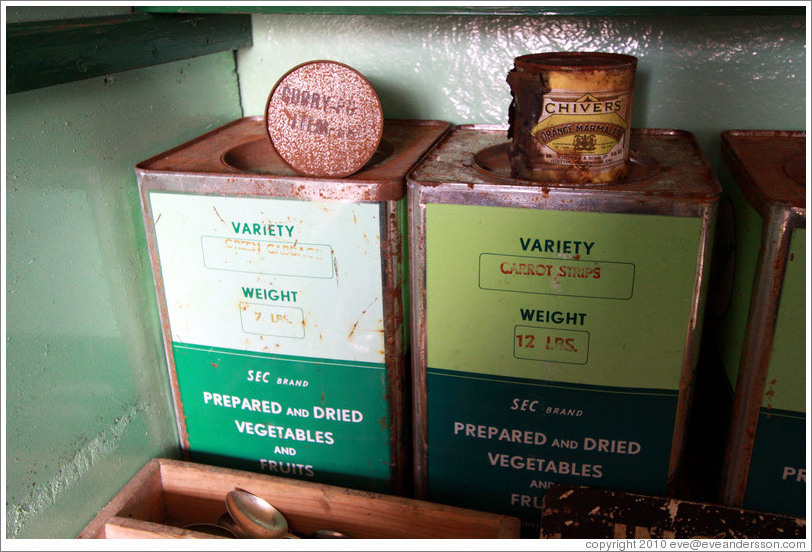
pixel 555 329
pixel 757 318
pixel 283 303
pixel 570 116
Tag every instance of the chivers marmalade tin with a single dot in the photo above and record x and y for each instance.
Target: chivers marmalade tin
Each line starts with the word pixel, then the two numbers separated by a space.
pixel 555 328
pixel 282 301
pixel 569 119
pixel 756 317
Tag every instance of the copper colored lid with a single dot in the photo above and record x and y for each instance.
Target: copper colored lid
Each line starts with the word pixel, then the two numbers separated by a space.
pixel 324 119
pixel 574 61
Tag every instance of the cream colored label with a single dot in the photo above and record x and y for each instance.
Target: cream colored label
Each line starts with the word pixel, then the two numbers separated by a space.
pixel 268 275
pixel 584 128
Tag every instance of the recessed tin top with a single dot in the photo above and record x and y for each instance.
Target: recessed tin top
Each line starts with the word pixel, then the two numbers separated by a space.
pixel 324 119
pixel 667 165
pixel 769 165
pixel 238 158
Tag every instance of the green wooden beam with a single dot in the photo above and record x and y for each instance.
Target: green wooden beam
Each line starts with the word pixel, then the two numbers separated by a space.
pixel 439 9
pixel 46 53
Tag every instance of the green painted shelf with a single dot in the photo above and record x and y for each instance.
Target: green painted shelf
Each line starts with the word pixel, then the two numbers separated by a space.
pixel 40 54
pixel 375 8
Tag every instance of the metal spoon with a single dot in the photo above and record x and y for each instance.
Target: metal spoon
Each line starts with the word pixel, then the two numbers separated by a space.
pixel 327 534
pixel 212 529
pixel 225 521
pixel 256 517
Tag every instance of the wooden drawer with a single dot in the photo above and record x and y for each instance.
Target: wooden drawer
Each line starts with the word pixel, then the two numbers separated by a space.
pixel 167 494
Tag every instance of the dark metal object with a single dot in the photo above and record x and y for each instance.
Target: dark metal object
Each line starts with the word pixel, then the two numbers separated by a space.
pixel 327 534
pixel 324 119
pixel 227 522
pixel 255 516
pixel 576 512
pixel 211 529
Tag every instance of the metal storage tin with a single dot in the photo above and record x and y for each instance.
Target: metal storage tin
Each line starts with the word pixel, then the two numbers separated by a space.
pixel 555 328
pixel 283 301
pixel 757 318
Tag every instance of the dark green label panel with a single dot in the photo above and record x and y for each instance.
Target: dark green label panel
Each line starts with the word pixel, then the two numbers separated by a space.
pixel 777 479
pixel 314 419
pixel 496 443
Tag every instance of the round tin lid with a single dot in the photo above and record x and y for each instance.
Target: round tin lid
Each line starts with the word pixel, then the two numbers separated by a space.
pixel 324 119
pixel 574 61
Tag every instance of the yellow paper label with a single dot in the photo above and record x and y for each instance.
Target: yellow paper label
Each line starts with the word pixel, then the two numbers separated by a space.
pixel 584 128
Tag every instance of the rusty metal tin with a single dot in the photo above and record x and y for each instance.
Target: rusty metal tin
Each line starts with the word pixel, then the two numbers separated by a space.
pixel 283 303
pixel 570 116
pixel 324 119
pixel 757 318
pixel 546 318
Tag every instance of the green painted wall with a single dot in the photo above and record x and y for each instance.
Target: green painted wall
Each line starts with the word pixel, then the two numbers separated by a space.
pixel 704 74
pixel 88 399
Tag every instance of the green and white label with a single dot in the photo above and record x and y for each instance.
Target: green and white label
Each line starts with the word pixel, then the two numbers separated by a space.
pixel 555 346
pixel 309 418
pixel 275 312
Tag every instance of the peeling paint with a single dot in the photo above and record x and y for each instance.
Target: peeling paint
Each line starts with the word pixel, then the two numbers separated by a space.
pixel 70 473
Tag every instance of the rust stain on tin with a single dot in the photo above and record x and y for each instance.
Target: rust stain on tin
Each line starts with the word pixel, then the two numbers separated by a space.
pixel 360 316
pixel 770 392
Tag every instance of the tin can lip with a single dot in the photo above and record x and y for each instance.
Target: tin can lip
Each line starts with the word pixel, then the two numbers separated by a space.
pixel 574 61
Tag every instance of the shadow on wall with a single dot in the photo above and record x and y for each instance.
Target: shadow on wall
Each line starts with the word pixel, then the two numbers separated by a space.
pixel 397 103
